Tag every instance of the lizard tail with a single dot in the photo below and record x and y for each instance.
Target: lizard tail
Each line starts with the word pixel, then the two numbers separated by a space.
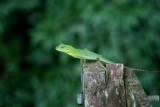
pixel 105 60
pixel 142 70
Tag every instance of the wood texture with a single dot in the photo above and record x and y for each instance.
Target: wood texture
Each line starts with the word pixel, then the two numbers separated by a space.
pixel 136 96
pixel 115 86
pixel 109 90
pixel 94 85
pixel 101 91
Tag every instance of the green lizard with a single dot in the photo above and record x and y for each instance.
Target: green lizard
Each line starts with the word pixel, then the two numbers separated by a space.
pixel 81 54
pixel 89 55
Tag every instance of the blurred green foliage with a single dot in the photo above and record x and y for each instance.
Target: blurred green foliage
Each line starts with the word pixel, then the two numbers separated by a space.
pixel 33 74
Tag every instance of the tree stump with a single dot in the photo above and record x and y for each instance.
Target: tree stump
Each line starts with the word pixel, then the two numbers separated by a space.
pixel 115 88
pixel 101 91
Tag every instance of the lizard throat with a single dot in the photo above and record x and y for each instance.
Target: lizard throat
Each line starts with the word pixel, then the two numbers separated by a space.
pixel 71 54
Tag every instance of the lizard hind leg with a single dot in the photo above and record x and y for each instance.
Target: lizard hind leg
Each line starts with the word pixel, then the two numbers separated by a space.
pixel 105 69
pixel 101 65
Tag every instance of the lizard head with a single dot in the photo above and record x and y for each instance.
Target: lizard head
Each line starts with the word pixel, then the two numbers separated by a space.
pixel 65 48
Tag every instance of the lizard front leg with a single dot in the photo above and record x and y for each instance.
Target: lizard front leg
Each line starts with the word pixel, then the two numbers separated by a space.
pixel 84 63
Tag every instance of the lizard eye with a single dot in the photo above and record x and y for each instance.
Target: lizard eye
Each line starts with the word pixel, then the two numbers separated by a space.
pixel 62 47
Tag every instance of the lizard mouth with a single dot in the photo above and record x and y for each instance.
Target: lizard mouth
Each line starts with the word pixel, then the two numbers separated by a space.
pixel 58 49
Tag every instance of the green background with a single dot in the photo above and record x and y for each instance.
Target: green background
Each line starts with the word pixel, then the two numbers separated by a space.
pixel 34 74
